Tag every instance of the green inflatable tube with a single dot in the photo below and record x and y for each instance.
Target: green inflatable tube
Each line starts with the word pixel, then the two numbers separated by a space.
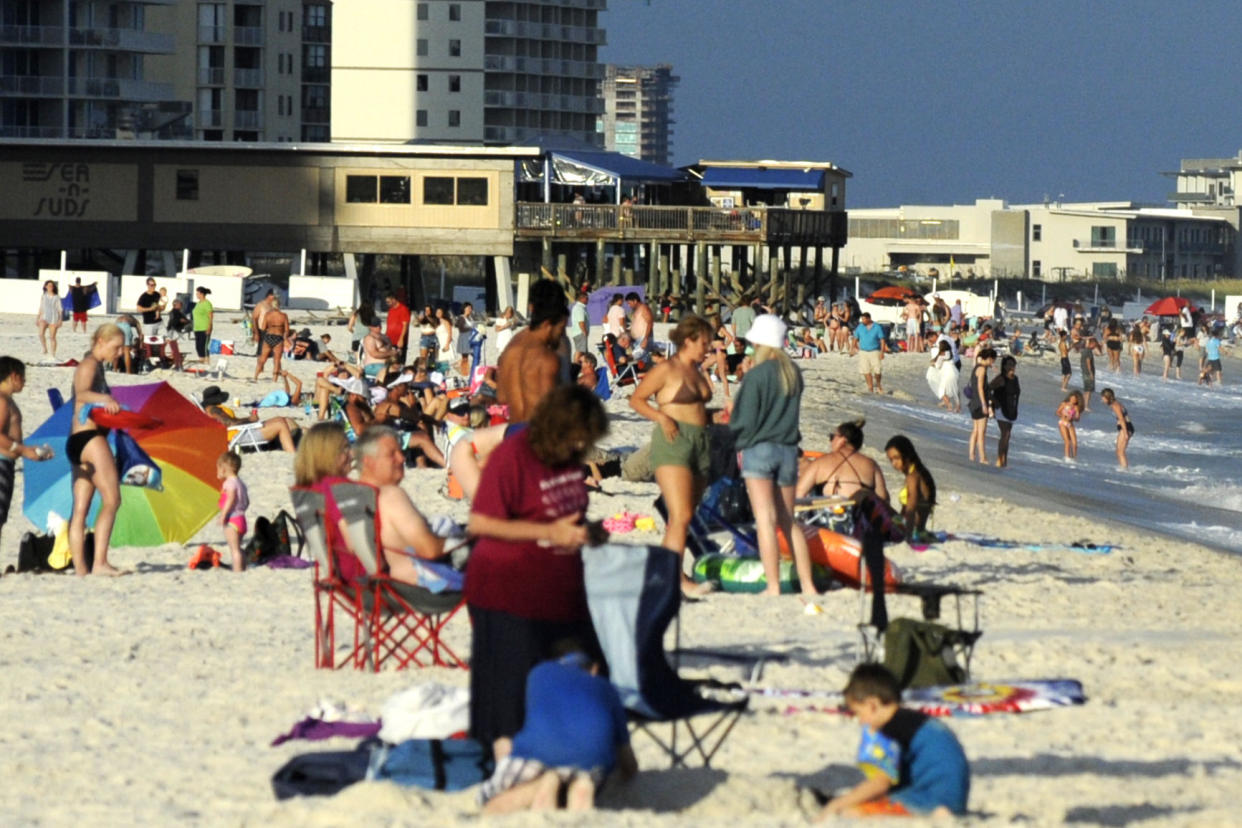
pixel 734 574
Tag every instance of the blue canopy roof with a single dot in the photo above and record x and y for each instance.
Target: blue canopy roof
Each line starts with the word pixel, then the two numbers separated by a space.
pixel 621 166
pixel 755 178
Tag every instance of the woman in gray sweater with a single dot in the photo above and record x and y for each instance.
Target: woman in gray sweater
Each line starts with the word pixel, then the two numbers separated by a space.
pixel 765 420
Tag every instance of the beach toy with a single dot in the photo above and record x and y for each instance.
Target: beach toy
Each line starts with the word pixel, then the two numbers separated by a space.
pixel 839 553
pixel 124 419
pixel 746 575
pixel 645 524
pixel 620 523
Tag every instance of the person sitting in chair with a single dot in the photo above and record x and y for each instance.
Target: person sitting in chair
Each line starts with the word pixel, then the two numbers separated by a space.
pixel 282 429
pixel 844 470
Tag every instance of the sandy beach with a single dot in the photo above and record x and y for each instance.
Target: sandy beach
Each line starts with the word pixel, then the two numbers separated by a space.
pixel 153 699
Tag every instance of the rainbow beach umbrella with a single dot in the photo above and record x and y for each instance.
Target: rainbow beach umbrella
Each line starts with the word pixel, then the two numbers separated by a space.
pixel 184 446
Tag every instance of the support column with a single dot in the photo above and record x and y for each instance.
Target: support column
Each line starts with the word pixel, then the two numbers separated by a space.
pixel 599 262
pixel 615 278
pixel 546 254
pixel 700 267
pixel 715 269
pixel 666 275
pixel 653 264
pixel 774 267
pixel 832 275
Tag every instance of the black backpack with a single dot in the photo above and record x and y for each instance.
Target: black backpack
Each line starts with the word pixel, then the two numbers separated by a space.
pixel 33 551
pixel 273 538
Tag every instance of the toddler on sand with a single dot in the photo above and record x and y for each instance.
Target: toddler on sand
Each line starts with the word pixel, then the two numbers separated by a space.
pixel 913 763
pixel 234 500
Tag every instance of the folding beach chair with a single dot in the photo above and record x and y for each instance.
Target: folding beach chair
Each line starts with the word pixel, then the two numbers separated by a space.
pixel 954 646
pixel 331 593
pixel 623 375
pixel 634 593
pixel 406 621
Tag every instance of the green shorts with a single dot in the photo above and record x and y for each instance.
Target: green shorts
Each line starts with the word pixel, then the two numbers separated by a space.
pixel 691 449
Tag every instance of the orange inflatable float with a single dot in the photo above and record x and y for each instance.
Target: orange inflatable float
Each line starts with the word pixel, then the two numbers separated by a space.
pixel 839 553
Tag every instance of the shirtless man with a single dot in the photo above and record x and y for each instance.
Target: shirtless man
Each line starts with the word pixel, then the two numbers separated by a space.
pixel 845 470
pixel 12 381
pixel 275 326
pixel 530 365
pixel 641 323
pixel 261 307
pixel 404 533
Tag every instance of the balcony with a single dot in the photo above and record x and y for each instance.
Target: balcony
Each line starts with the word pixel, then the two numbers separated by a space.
pixel 210 118
pixel 211 76
pixel 248 78
pixel 32 35
pixel 125 40
pixel 248 35
pixel 544 31
pixel 1108 246
pixel 123 89
pixel 543 66
pixel 211 34
pixel 316 34
pixel 31 132
pixel 247 119
pixel 32 85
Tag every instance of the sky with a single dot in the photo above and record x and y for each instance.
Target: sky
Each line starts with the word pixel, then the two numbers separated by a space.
pixel 947 102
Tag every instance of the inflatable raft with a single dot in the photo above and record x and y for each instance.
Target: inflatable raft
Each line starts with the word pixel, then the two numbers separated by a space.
pixel 840 554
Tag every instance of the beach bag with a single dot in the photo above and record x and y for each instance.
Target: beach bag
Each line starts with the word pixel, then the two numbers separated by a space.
pixel 920 653
pixel 33 551
pixel 274 538
pixel 434 764
pixel 322 774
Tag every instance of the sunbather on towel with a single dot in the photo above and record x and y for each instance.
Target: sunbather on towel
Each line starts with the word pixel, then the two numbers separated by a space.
pixel 574 736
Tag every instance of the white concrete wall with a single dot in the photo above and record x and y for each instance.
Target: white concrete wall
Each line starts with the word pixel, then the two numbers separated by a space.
pixel 322 293
pixel 23 294
pixel 1230 308
pixel 134 286
pixel 226 291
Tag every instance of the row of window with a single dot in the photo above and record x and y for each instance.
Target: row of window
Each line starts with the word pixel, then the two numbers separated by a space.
pixel 422 47
pixel 395 189
pixel 454 11
pixel 454 118
pixel 423 83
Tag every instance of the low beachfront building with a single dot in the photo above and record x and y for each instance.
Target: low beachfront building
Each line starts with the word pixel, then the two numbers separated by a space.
pixel 1052 241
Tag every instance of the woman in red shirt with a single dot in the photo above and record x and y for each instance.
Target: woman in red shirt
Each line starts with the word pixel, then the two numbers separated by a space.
pixel 524 584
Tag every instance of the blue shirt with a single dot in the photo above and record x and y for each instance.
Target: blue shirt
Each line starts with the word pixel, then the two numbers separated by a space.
pixel 869 338
pixel 1212 348
pixel 573 719
pixel 922 760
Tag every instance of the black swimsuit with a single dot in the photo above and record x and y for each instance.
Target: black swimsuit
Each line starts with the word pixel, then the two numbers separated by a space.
pixel 77 441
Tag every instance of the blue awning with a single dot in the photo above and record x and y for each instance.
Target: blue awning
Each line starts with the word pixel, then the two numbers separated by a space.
pixel 754 178
pixel 623 167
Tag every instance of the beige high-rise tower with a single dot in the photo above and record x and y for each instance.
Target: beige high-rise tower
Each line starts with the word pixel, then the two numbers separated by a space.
pixel 638 111
pixel 466 71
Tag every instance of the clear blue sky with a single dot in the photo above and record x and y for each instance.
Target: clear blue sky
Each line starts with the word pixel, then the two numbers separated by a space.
pixel 950 101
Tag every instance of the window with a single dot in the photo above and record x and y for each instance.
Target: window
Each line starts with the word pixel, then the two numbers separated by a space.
pixel 315 57
pixel 424 11
pixel 1103 236
pixel 422 85
pixel 437 190
pixel 360 189
pixel 1037 267
pixel 420 47
pixel 454 118
pixel 314 15
pixel 454 48
pixel 187 185
pixel 420 118
pixel 314 97
pixel 394 189
pixel 1037 232
pixel 454 83
pixel 1104 270
pixel 316 133
pixel 454 11
pixel 472 191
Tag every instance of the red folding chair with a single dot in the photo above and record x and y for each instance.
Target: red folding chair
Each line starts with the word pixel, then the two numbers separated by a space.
pixel 331 592
pixel 407 622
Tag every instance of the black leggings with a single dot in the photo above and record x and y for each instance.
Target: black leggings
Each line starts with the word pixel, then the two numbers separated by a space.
pixel 200 343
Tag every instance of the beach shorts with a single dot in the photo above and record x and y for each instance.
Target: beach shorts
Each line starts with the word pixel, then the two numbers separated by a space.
pixel 79 316
pixel 1065 367
pixel 868 362
pixel 690 449
pixel 514 770
pixel 428 342
pixel 580 344
pixel 373 369
pixel 238 522
pixel 912 327
pixel 1088 381
pixel 771 461
pixel 7 472
pixel 1214 364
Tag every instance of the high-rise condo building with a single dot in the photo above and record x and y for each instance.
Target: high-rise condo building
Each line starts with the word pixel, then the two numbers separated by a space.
pixel 81 69
pixel 255 70
pixel 638 111
pixel 466 71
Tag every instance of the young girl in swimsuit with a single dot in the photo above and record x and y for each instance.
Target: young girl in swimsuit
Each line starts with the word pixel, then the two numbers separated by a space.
pixel 1112 341
pixel 90 458
pixel 918 497
pixel 1137 348
pixel 980 407
pixel 680 452
pixel 1069 411
pixel 1125 428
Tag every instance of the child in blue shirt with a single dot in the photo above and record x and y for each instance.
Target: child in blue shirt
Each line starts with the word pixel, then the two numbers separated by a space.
pixel 574 735
pixel 913 763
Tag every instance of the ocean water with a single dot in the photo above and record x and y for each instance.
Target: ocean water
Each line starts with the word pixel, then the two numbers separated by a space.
pixel 1185 475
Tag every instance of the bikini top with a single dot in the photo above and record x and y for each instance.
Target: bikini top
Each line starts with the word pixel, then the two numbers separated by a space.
pixel 836 484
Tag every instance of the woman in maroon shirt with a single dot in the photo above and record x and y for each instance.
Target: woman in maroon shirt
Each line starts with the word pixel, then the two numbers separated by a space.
pixel 524 583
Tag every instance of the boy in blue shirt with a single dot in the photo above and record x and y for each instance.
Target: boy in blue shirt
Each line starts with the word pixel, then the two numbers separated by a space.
pixel 574 735
pixel 913 763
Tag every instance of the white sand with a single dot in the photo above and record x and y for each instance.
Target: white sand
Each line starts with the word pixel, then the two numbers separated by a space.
pixel 152 699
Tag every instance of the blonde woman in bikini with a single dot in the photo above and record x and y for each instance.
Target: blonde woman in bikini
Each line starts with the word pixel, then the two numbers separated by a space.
pixel 680 450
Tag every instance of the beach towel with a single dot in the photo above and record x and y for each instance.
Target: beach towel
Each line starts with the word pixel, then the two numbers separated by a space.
pixel 315 730
pixel 979 698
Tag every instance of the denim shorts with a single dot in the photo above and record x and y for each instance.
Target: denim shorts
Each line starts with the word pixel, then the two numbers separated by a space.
pixel 771 461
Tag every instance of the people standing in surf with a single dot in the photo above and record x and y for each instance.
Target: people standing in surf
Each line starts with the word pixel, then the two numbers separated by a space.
pixel 980 408
pixel 1063 352
pixel 1138 348
pixel 680 449
pixel 1112 341
pixel 1086 367
pixel 1125 428
pixel 1181 342
pixel 1068 414
pixel 1167 349
pixel 944 377
pixel 1211 357
pixel 918 493
pixel 1005 391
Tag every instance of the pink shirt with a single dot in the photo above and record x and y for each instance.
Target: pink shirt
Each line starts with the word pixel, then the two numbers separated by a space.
pixel 614 320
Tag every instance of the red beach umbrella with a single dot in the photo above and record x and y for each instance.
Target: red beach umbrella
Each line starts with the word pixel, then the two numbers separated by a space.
pixel 892 295
pixel 1169 306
